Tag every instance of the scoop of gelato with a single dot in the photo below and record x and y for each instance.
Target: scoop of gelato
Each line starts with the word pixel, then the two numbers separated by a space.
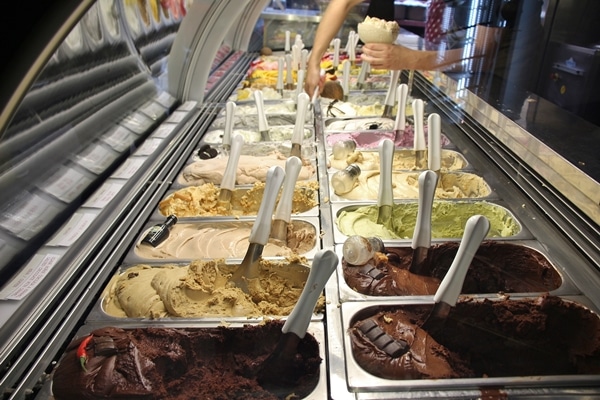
pixel 376 30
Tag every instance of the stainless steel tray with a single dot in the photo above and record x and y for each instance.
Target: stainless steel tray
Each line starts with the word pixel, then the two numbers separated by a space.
pixel 360 381
pixel 566 287
pixel 297 270
pixel 334 198
pixel 339 237
pixel 133 256
pixel 157 216
pixel 315 328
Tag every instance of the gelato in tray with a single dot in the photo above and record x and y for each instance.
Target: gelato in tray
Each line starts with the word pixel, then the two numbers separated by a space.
pixel 496 267
pixel 448 219
pixel 183 363
pixel 452 185
pixel 371 139
pixel 250 169
pixel 252 134
pixel 202 201
pixel 402 160
pixel 226 239
pixel 486 339
pixel 204 289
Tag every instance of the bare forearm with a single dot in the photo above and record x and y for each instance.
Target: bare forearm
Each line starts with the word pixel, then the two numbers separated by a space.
pixel 330 24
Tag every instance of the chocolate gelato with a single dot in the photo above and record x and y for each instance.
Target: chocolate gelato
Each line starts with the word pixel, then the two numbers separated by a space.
pixel 487 338
pixel 181 363
pixel 496 267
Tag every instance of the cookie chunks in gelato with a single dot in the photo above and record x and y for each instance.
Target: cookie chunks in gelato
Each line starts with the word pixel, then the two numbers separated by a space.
pixel 481 338
pixel 204 289
pixel 202 201
pixel 182 363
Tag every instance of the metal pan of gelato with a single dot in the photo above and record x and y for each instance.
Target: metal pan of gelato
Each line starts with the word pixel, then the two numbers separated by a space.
pixel 182 361
pixel 251 134
pixel 202 201
pixel 448 219
pixel 203 290
pixel 250 169
pixel 261 149
pixel 202 239
pixel 405 185
pixel 516 268
pixel 369 140
pixel 404 159
pixel 481 344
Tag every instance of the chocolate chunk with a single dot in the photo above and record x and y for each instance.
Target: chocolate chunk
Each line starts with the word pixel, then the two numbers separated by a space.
pixel 104 346
pixel 369 269
pixel 383 341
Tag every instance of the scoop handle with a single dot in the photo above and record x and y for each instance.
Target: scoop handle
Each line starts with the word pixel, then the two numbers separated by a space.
pixel 289 78
pixel 422 235
pixel 302 107
pixel 230 174
pixel 284 207
pixel 401 94
pixel 279 84
pixel 418 113
pixel 229 113
pixel 386 154
pixel 346 77
pixel 476 229
pixel 390 97
pixel 300 83
pixel 262 225
pixel 260 109
pixel 362 74
pixel 323 265
pixel 434 153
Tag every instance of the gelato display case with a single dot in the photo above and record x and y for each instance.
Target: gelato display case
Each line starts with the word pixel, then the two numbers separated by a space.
pixel 127 213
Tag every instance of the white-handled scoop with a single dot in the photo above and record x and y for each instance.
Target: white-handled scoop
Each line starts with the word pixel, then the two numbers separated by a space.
pixel 390 97
pixel 279 84
pixel 385 198
pixel 434 143
pixel 261 230
pixel 298 134
pixel 446 296
pixel 289 77
pixel 283 212
pixel 229 113
pixel 361 81
pixel 400 122
pixel 230 173
pixel 263 126
pixel 419 141
pixel 346 79
pixel 421 240
pixel 278 370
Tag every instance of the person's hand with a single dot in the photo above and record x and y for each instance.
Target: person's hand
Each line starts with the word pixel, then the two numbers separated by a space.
pixel 313 79
pixel 386 56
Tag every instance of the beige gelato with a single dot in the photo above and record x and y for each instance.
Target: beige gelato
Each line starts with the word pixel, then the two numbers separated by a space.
pixel 202 201
pixel 454 185
pixel 376 30
pixel 203 289
pixel 227 239
pixel 403 159
pixel 250 169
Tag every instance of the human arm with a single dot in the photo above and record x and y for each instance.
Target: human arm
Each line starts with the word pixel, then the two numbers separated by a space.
pixel 331 22
pixel 398 57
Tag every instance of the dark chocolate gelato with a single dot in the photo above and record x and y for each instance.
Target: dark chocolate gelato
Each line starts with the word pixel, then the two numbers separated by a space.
pixel 181 363
pixel 496 267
